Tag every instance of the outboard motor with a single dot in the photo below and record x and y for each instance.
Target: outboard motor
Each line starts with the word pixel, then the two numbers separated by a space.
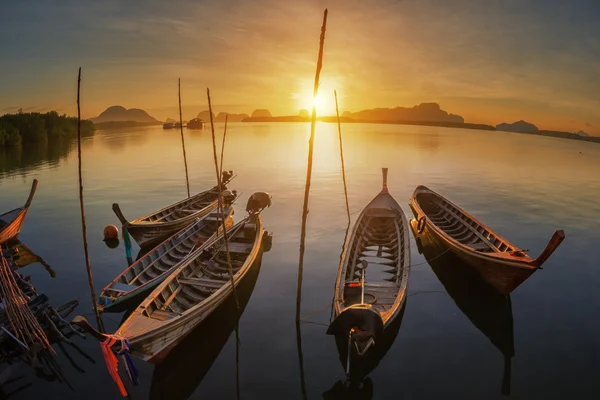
pixel 226 177
pixel 258 202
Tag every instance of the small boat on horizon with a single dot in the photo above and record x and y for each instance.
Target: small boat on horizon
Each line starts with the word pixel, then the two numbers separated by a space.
pixel 11 222
pixel 154 228
pixel 502 264
pixel 168 125
pixel 195 123
pixel 372 280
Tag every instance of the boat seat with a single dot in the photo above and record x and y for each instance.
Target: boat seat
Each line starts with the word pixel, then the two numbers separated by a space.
pixel 162 315
pixel 479 246
pixel 122 287
pixel 201 282
pixel 235 247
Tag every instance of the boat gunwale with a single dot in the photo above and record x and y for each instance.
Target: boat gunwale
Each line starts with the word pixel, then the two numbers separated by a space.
pixel 504 257
pixel 405 262
pixel 152 283
pixel 213 300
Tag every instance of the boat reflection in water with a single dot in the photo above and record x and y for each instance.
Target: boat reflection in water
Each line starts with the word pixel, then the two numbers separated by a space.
pixel 358 385
pixel 180 373
pixel 488 310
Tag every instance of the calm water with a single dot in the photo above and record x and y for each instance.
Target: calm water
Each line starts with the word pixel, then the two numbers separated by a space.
pixel 523 186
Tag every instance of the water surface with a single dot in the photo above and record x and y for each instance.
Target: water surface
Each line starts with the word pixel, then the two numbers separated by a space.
pixel 523 186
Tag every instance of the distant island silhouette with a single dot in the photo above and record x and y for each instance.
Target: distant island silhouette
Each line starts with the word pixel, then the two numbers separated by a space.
pixel 425 114
pixel 120 117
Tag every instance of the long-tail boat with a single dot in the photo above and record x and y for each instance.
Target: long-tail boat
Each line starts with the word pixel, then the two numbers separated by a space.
pixel 502 264
pixel 12 221
pixel 372 279
pixel 173 378
pixel 191 292
pixel 152 229
pixel 135 282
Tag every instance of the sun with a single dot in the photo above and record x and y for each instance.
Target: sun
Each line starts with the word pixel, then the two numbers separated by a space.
pixel 324 101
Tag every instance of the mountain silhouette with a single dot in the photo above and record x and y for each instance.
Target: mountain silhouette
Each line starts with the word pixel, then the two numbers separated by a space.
pixel 230 117
pixel 518 127
pixel 261 113
pixel 205 116
pixel 430 112
pixel 119 113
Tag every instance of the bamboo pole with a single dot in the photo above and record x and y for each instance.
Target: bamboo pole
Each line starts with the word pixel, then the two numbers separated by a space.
pixel 220 200
pixel 337 113
pixel 83 226
pixel 223 145
pixel 187 180
pixel 311 143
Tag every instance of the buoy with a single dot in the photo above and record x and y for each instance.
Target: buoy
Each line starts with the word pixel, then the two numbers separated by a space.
pixel 112 243
pixel 111 232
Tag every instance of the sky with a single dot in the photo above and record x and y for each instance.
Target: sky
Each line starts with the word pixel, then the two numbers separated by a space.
pixel 490 61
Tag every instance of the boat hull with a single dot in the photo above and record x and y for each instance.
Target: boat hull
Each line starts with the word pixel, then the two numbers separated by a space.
pixel 505 276
pixel 156 344
pixel 11 230
pixel 149 235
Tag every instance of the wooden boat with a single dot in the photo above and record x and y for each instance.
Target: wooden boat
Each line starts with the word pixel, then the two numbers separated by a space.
pixel 488 310
pixel 135 282
pixel 195 123
pixel 190 293
pixel 172 377
pixel 372 279
pixel 12 221
pixel 502 264
pixel 154 228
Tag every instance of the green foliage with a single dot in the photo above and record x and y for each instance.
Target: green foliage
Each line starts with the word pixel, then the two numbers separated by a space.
pixel 38 128
pixel 9 135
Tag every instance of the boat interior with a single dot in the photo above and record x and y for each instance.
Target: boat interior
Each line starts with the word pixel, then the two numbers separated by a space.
pixel 9 217
pixel 166 255
pixel 206 274
pixel 378 254
pixel 185 208
pixel 459 226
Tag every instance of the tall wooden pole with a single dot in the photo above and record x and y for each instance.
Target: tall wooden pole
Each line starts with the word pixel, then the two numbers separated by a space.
pixel 311 143
pixel 83 226
pixel 337 113
pixel 220 201
pixel 187 180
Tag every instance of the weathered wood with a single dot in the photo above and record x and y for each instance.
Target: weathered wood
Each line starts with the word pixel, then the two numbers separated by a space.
pixel 152 229
pixel 382 224
pixel 82 209
pixel 11 222
pixel 498 261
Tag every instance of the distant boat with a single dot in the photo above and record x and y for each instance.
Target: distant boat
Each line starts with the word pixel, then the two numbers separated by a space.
pixel 195 123
pixel 12 221
pixel 153 228
pixel 177 124
pixel 168 125
pixel 372 279
pixel 502 264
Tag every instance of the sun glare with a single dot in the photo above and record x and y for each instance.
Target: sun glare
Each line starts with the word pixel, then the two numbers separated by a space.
pixel 324 101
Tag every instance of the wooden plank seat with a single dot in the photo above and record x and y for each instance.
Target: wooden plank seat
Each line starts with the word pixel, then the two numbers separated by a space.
pixel 201 282
pixel 163 315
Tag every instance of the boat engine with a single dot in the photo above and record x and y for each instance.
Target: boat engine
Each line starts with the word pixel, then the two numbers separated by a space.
pixel 258 202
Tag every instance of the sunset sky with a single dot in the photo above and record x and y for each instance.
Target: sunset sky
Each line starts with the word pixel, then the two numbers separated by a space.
pixel 490 61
